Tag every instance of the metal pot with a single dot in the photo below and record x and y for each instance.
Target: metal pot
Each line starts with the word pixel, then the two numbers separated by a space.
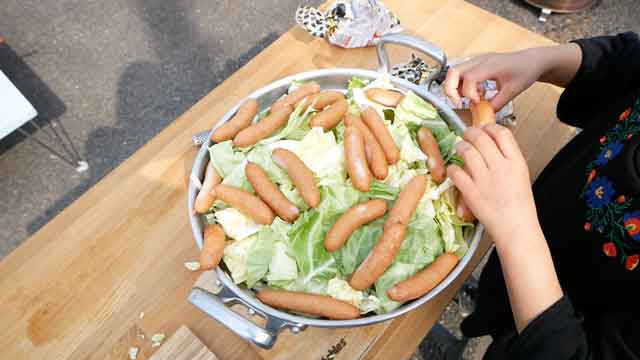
pixel 217 305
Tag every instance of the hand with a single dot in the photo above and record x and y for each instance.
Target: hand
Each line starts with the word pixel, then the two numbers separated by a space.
pixel 495 182
pixel 514 72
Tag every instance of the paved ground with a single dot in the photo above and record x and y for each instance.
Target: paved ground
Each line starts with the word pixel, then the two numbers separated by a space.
pixel 117 72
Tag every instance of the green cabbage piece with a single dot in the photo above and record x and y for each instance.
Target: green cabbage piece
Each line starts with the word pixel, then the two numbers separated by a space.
pixel 224 159
pixel 413 109
pixel 261 155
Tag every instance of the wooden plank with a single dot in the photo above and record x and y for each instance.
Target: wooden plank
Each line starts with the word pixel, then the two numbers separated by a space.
pixel 75 288
pixel 183 345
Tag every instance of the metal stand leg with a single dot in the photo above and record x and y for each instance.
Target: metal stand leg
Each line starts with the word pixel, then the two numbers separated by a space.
pixel 544 14
pixel 66 143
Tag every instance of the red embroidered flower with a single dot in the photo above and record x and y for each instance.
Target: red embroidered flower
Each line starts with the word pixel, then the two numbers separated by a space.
pixel 625 115
pixel 587 226
pixel 609 249
pixel 621 199
pixel 629 136
pixel 631 262
pixel 592 175
pixel 632 224
pixel 603 140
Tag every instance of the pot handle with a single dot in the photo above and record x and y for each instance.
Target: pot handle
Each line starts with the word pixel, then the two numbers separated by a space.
pixel 423 46
pixel 215 305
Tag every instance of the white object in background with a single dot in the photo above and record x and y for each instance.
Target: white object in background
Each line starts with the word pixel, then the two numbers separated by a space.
pixel 15 109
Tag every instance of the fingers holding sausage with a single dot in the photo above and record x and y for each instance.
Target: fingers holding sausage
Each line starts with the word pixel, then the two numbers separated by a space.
pixel 212 247
pixel 482 113
pixel 356 159
pixel 246 203
pixel 319 305
pixel 302 177
pixel 351 220
pixel 241 120
pixel 270 193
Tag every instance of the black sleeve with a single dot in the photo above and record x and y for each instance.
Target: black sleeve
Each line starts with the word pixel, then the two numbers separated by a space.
pixel 610 69
pixel 557 333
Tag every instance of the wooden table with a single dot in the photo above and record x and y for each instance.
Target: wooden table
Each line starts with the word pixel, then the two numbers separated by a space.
pixel 76 288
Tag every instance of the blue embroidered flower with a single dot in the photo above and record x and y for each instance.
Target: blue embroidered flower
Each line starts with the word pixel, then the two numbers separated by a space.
pixel 609 152
pixel 632 224
pixel 599 193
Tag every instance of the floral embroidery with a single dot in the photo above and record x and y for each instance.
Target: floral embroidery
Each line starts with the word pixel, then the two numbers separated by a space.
pixel 599 193
pixel 608 212
pixel 609 152
pixel 632 224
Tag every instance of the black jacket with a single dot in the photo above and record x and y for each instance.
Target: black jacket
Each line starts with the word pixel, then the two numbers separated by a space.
pixel 588 201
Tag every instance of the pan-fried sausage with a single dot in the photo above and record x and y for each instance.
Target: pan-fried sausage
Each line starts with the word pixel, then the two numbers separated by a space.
pixel 356 159
pixel 352 219
pixel 206 196
pixel 425 280
pixel 319 305
pixel 295 96
pixel 241 120
pixel 380 258
pixel 407 201
pixel 435 162
pixel 384 97
pixel 269 192
pixel 375 155
pixel 246 203
pixel 482 113
pixel 300 174
pixel 380 131
pixel 331 116
pixel 212 247
pixel 263 128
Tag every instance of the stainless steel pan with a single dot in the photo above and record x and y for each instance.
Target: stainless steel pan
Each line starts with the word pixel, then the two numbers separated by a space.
pixel 218 305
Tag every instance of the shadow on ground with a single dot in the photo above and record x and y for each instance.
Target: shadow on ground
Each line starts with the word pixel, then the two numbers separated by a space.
pixel 151 95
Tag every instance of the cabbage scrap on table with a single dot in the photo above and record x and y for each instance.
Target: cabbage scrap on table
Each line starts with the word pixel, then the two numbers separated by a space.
pixel 293 256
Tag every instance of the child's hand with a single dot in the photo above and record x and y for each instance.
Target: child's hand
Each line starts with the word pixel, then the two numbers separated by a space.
pixel 495 182
pixel 513 72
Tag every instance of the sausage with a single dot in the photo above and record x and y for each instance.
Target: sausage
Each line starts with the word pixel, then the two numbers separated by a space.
pixel 382 134
pixel 269 193
pixel 319 305
pixel 246 203
pixel 384 97
pixel 482 113
pixel 330 117
pixel 463 210
pixel 407 201
pixel 380 258
pixel 300 174
pixel 375 155
pixel 356 159
pixel 295 96
pixel 352 219
pixel 241 120
pixel 425 280
pixel 212 247
pixel 206 196
pixel 325 98
pixel 263 128
pixel 435 162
